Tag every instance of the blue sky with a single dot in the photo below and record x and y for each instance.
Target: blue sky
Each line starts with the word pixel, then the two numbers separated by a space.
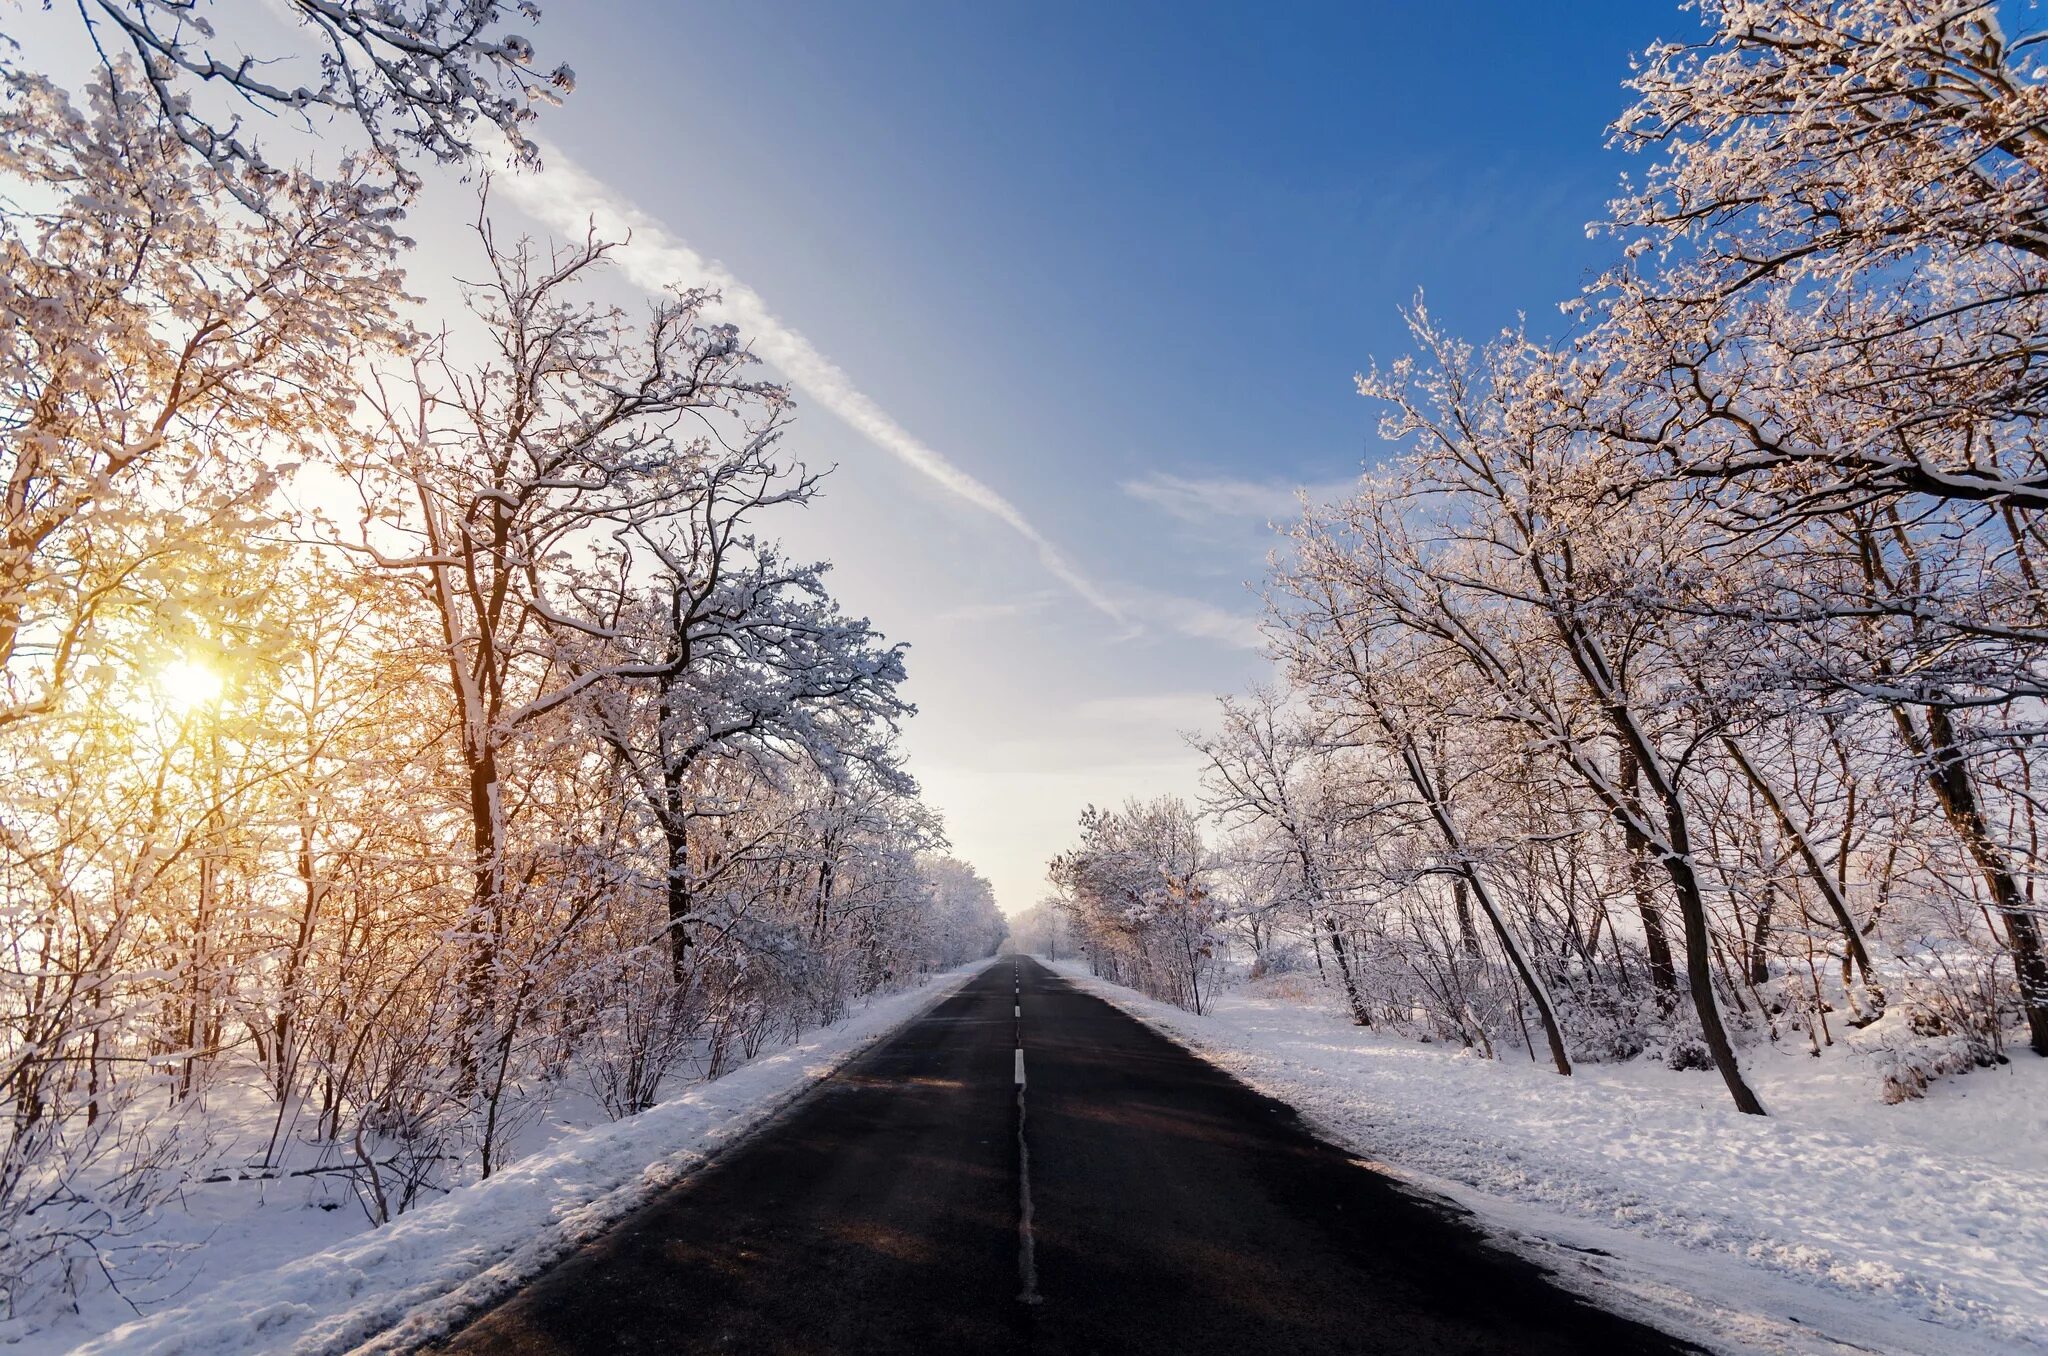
pixel 1090 235
pixel 1117 263
pixel 1107 270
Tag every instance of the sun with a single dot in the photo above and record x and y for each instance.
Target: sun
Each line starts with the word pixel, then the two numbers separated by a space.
pixel 187 684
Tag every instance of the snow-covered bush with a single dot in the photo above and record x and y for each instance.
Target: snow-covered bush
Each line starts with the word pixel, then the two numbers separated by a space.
pixel 1906 1060
pixel 1945 1017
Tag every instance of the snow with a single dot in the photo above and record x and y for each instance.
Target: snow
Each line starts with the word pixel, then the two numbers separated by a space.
pixel 389 1289
pixel 1836 1222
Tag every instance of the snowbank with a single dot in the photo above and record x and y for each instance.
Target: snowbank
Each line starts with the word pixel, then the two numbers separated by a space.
pixel 389 1289
pixel 1836 1221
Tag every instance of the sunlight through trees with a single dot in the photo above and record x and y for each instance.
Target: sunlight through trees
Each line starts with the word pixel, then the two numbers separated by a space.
pixel 396 744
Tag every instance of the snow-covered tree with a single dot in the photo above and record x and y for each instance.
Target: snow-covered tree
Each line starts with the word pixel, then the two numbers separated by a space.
pixel 1137 886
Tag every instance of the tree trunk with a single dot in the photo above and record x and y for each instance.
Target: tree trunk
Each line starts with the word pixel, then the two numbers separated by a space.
pixel 487 882
pixel 1663 973
pixel 1759 964
pixel 1823 879
pixel 1949 774
pixel 1454 845
pixel 1468 935
pixel 1359 1015
pixel 675 829
pixel 1699 972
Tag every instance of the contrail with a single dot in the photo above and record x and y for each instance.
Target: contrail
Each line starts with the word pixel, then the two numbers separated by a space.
pixel 566 198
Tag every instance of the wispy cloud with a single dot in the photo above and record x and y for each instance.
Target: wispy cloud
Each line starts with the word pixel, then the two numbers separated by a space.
pixel 567 198
pixel 1209 499
pixel 999 611
pixel 1173 710
pixel 1202 621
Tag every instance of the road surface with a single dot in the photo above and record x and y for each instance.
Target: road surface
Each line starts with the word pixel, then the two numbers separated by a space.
pixel 1027 1169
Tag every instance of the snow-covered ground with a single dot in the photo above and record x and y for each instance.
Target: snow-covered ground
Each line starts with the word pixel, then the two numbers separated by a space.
pixel 349 1287
pixel 1836 1224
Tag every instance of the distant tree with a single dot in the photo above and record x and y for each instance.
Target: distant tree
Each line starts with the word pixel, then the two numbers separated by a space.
pixel 1137 886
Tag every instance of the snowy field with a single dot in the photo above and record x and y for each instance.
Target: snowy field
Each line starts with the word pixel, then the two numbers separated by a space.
pixel 271 1270
pixel 1837 1224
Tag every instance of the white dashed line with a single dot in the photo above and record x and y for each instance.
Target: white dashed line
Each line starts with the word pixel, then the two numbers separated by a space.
pixel 1027 1246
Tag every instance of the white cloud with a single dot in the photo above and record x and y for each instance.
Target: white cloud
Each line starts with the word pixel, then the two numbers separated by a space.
pixel 1209 499
pixel 1202 621
pixel 566 198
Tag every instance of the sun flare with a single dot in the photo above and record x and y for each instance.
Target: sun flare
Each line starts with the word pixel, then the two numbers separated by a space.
pixel 187 684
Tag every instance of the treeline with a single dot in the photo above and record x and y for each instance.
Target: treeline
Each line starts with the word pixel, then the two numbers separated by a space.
pixel 402 727
pixel 1678 686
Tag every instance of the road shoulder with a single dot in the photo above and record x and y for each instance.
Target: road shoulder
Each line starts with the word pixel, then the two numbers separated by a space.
pixel 1702 1286
pixel 414 1280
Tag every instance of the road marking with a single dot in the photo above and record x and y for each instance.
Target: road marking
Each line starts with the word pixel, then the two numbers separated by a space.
pixel 1027 1246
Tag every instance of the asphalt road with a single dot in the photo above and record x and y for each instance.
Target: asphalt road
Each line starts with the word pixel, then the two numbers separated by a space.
pixel 1123 1197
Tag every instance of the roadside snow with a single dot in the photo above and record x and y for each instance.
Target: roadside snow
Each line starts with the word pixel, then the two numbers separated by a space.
pixel 392 1288
pixel 1836 1223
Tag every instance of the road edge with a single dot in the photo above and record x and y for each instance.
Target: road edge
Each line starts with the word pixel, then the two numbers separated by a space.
pixel 442 1317
pixel 1669 1293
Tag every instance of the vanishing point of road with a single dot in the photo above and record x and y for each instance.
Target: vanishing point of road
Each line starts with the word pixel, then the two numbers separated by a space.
pixel 1027 1169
